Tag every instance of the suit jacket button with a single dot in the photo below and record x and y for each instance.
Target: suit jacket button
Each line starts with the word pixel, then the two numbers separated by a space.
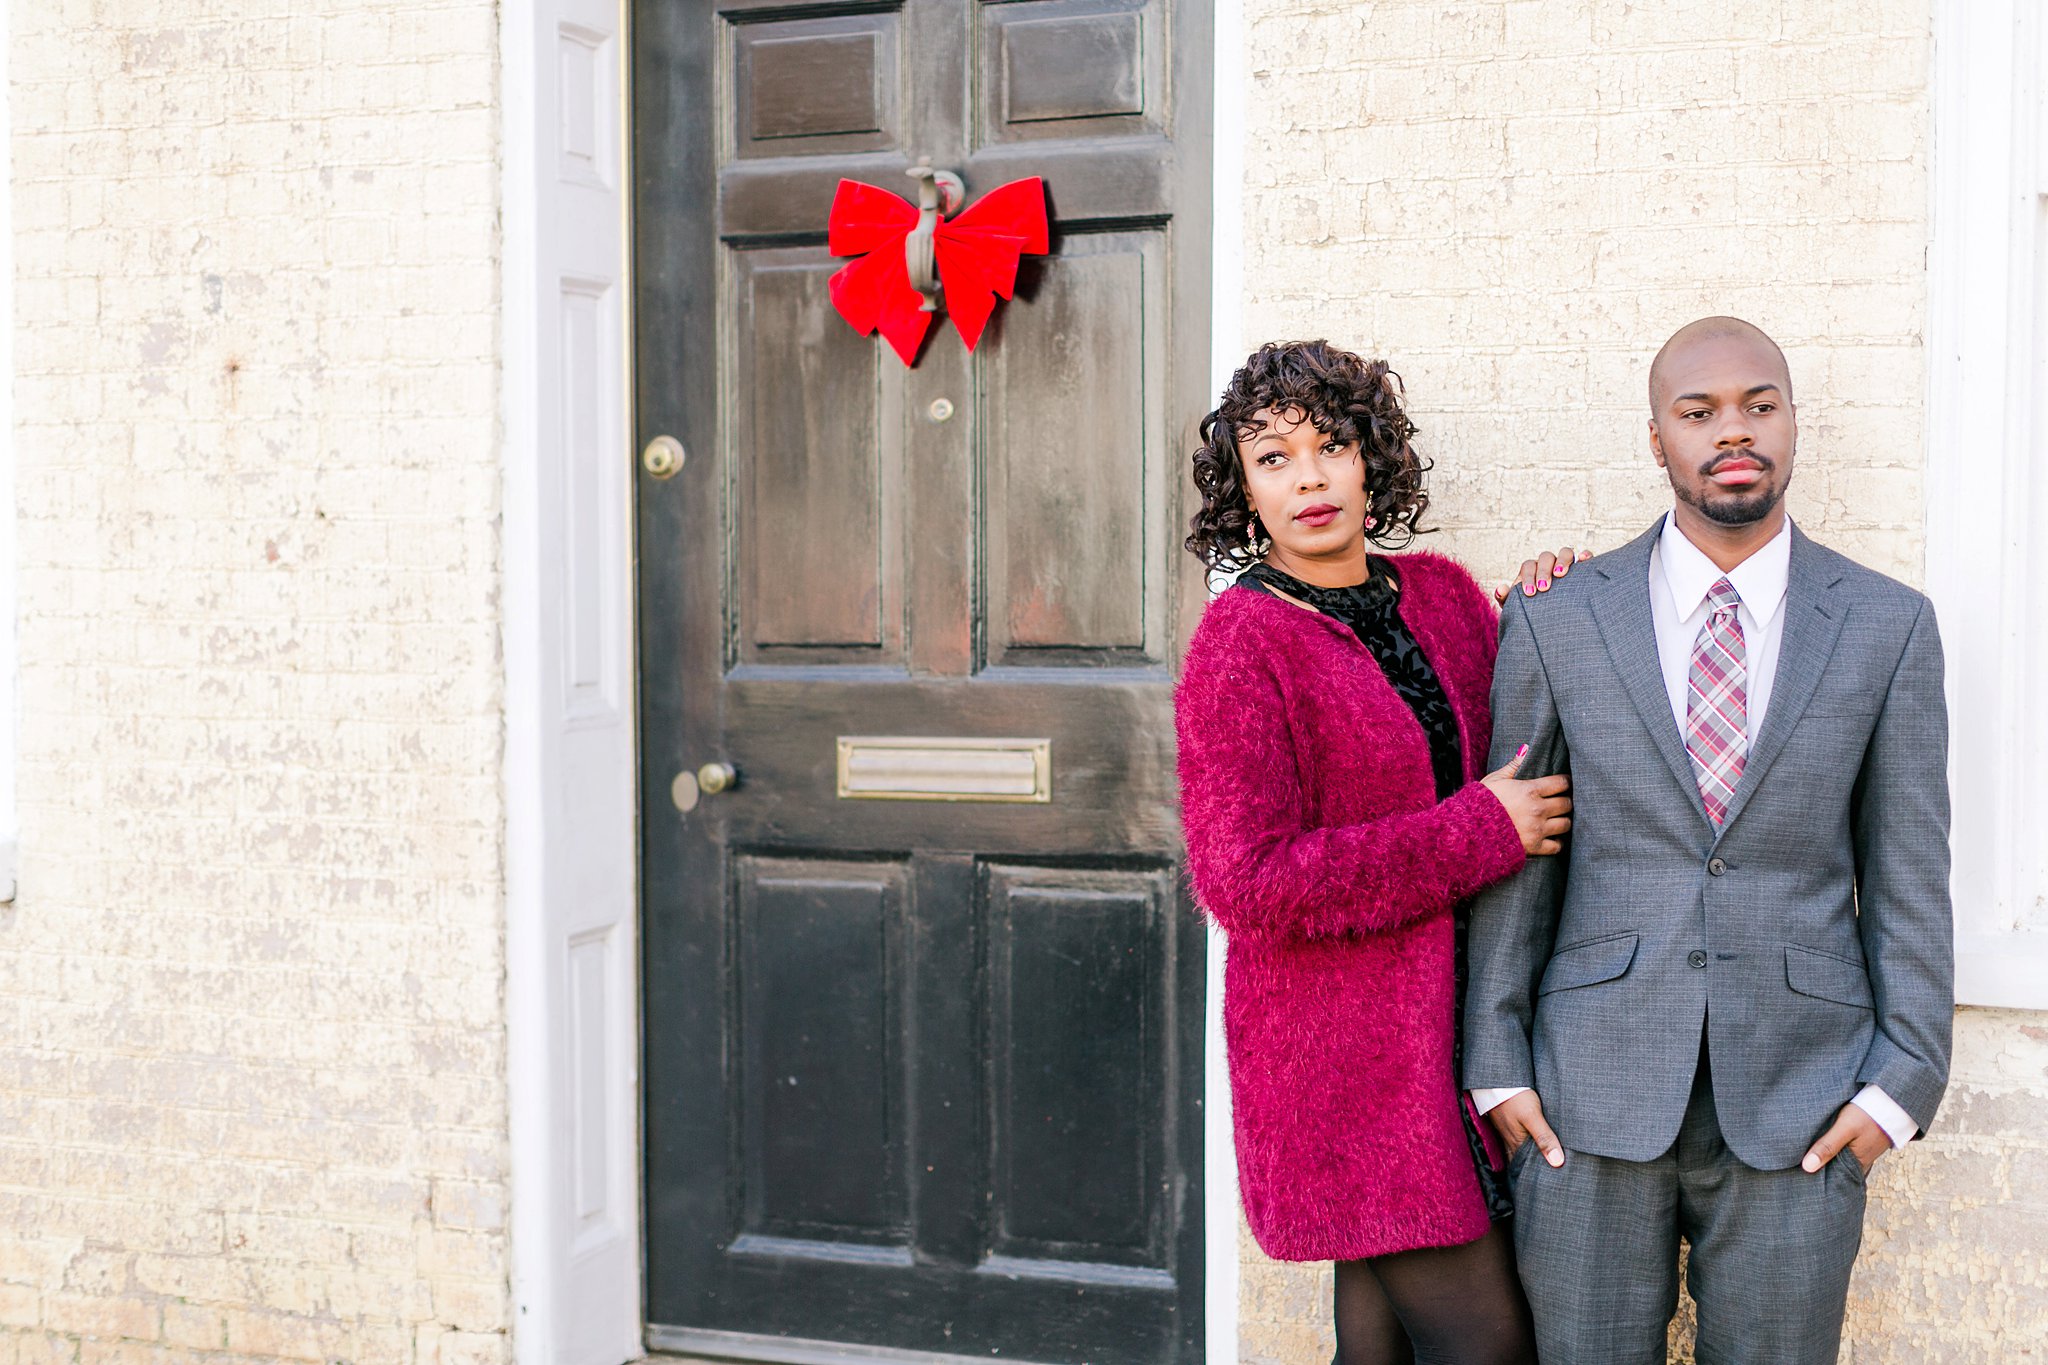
pixel 1716 868
pixel 1696 958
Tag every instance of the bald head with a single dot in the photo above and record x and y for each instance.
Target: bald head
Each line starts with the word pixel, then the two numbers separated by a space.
pixel 1697 335
pixel 1722 428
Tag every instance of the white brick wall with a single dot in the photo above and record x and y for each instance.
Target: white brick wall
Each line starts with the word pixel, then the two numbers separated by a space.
pixel 1517 202
pixel 252 1069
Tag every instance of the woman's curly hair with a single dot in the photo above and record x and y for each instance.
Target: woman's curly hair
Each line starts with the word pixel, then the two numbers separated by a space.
pixel 1347 398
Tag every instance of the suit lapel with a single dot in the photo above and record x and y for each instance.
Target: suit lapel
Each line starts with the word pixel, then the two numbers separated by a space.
pixel 1621 613
pixel 1813 622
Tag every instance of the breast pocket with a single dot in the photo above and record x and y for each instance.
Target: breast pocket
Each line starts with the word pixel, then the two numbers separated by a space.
pixel 1838 723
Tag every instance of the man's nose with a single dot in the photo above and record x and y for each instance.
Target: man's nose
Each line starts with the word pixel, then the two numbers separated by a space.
pixel 1735 432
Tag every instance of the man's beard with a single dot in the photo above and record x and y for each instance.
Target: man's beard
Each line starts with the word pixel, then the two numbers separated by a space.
pixel 1739 510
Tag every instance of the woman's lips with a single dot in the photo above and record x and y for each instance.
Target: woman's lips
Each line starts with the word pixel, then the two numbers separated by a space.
pixel 1322 514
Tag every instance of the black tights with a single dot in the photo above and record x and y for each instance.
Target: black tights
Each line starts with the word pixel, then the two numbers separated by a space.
pixel 1436 1306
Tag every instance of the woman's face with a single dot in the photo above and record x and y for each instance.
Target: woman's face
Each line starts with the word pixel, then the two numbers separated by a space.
pixel 1308 489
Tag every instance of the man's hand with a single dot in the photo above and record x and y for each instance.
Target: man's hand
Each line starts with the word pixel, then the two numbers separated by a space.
pixel 1853 1129
pixel 1537 573
pixel 1519 1119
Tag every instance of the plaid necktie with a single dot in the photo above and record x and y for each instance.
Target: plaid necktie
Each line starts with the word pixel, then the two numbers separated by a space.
pixel 1717 703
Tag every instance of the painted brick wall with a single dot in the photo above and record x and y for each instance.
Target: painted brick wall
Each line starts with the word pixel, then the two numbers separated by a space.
pixel 252 1069
pixel 1517 201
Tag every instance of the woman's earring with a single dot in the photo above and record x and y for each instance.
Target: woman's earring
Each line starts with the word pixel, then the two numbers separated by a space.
pixel 1371 521
pixel 1256 529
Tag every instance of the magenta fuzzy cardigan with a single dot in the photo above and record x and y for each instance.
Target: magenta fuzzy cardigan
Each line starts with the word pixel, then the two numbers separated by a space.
pixel 1316 841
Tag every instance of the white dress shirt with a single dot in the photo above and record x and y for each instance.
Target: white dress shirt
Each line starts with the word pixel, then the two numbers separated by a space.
pixel 1681 576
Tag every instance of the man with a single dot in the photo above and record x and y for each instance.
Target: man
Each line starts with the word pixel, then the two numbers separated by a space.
pixel 1733 990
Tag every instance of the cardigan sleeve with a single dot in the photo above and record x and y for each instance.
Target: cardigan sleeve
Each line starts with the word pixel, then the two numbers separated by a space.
pixel 1262 873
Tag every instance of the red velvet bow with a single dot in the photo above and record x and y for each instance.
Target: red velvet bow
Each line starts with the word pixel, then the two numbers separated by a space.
pixel 976 251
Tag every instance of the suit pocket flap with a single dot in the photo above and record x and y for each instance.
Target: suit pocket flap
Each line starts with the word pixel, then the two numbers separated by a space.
pixel 1827 977
pixel 1588 964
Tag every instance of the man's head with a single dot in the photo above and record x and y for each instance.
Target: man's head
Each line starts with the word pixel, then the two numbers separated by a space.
pixel 1722 424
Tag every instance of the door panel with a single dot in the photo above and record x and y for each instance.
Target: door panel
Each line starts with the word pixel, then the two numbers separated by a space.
pixel 1075 1026
pixel 921 1075
pixel 820 1103
pixel 1054 62
pixel 1076 458
pixel 821 420
pixel 814 85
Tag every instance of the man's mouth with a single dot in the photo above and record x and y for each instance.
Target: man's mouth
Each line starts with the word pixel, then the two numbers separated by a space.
pixel 1740 472
pixel 1319 514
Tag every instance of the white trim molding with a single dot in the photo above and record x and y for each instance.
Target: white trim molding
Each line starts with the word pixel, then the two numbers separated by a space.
pixel 1987 497
pixel 571 912
pixel 1220 1284
pixel 10 659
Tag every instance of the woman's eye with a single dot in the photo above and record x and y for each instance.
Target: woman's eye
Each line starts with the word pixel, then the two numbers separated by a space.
pixel 1272 458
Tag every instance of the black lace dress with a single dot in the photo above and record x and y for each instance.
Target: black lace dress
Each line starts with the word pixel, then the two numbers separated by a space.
pixel 1372 610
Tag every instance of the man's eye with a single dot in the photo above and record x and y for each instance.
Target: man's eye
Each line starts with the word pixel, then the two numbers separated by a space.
pixel 1763 408
pixel 1695 413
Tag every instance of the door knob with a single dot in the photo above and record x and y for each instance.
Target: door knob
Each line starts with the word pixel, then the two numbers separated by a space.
pixel 663 457
pixel 709 780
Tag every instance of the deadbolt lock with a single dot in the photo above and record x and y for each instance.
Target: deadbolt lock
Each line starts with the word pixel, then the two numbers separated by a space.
pixel 662 457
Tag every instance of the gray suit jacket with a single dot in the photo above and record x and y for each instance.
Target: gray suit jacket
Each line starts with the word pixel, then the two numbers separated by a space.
pixel 1810 935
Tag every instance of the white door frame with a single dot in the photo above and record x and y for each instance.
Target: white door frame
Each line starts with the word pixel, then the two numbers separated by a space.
pixel 572 882
pixel 571 823
pixel 1227 350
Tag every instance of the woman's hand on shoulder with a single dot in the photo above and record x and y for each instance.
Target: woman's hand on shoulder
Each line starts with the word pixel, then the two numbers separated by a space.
pixel 1540 807
pixel 1537 573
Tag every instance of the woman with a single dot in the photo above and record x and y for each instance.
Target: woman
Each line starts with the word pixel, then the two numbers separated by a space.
pixel 1332 716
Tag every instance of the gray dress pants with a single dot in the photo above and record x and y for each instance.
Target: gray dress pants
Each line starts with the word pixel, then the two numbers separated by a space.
pixel 1597 1242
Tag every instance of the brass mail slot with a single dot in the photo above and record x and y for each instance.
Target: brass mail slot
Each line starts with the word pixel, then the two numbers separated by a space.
pixel 922 768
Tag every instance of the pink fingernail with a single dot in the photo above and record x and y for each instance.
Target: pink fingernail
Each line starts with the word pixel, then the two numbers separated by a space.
pixel 1542 583
pixel 1522 752
pixel 1528 590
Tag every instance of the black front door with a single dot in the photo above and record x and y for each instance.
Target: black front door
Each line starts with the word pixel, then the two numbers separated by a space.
pixel 923 995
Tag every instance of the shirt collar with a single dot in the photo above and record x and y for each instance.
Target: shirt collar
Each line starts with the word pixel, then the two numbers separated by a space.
pixel 1760 580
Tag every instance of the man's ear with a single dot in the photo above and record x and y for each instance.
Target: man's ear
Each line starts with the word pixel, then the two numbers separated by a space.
pixel 1656 444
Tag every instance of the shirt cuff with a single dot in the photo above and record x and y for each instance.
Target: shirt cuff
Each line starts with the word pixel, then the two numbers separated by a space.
pixel 1483 1100
pixel 1898 1125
